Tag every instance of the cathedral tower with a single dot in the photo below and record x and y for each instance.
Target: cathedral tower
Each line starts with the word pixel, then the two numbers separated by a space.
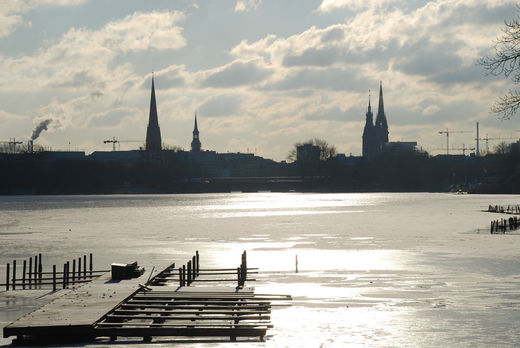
pixel 195 143
pixel 153 132
pixel 369 133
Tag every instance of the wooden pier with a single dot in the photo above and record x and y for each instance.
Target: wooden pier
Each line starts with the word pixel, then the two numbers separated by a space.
pixel 147 307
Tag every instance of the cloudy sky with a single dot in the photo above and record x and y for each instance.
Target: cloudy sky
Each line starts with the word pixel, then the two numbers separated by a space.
pixel 261 74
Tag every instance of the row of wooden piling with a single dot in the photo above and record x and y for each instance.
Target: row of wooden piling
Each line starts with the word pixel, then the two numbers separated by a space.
pixel 189 271
pixel 510 209
pixel 35 278
pixel 502 225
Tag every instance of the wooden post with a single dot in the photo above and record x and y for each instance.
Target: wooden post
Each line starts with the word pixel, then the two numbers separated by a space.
pixel 24 269
pixel 73 271
pixel 68 273
pixel 85 266
pixel 7 278
pixel 197 261
pixel 40 269
pixel 90 265
pixel 180 276
pixel 63 274
pixel 183 275
pixel 53 277
pixel 194 267
pixel 14 274
pixel 35 270
pixel 239 281
pixel 79 268
pixel 189 273
pixel 30 272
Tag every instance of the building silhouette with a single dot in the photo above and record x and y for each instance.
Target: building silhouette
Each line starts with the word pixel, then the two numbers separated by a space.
pixel 195 143
pixel 375 135
pixel 153 132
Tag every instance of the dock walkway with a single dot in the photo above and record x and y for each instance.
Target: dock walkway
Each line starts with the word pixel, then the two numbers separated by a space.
pixel 143 307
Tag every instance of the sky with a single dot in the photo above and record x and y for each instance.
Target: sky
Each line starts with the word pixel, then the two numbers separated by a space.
pixel 260 74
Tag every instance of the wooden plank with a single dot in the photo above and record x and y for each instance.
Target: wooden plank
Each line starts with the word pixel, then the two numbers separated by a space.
pixel 204 307
pixel 230 325
pixel 187 317
pixel 196 312
pixel 195 331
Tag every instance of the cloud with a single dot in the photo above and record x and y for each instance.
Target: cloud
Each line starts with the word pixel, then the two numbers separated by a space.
pixel 238 73
pixel 113 118
pixel 82 59
pixel 330 5
pixel 247 5
pixel 336 79
pixel 220 106
pixel 12 11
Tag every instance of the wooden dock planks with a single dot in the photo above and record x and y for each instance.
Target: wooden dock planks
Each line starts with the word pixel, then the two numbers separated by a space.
pixel 76 310
pixel 125 308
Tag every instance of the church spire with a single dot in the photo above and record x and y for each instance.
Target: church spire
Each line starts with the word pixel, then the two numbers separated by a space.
pixel 369 133
pixel 195 143
pixel 153 132
pixel 381 123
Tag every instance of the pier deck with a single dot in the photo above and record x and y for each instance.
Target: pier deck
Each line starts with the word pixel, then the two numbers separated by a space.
pixel 125 308
pixel 74 312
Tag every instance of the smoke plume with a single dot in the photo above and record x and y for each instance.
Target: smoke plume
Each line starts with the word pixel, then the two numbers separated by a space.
pixel 40 127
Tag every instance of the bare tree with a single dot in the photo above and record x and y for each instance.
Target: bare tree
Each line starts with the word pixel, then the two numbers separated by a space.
pixel 506 61
pixel 326 151
pixel 502 148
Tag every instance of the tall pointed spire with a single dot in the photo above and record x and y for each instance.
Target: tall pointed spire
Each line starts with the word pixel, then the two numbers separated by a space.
pixel 153 132
pixel 381 123
pixel 195 143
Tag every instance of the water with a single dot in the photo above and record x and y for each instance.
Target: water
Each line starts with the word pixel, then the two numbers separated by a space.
pixel 401 270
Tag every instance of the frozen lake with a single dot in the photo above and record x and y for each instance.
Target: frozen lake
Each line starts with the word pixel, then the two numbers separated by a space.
pixel 381 269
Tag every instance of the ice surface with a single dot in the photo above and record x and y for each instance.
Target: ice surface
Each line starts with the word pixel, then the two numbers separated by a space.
pixel 382 269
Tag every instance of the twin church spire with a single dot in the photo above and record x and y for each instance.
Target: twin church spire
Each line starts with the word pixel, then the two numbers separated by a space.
pixel 375 135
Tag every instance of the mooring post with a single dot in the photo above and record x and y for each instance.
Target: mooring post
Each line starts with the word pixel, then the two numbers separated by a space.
pixel 63 275
pixel 53 277
pixel 183 275
pixel 85 266
pixel 14 274
pixel 244 270
pixel 180 276
pixel 30 272
pixel 197 260
pixel 35 271
pixel 68 273
pixel 40 269
pixel 189 273
pixel 7 278
pixel 90 265
pixel 79 268
pixel 194 266
pixel 239 281
pixel 24 269
pixel 73 271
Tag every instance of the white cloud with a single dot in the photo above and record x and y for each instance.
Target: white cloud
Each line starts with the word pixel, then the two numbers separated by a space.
pixel 330 5
pixel 12 11
pixel 247 5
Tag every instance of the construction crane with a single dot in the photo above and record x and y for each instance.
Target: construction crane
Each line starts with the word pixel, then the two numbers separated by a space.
pixel 11 144
pixel 115 141
pixel 487 139
pixel 447 132
pixel 464 148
